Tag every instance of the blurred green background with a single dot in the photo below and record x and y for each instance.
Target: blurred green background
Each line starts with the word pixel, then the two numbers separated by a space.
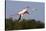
pixel 11 24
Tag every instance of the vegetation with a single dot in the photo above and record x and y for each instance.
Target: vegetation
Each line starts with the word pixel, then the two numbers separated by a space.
pixel 11 24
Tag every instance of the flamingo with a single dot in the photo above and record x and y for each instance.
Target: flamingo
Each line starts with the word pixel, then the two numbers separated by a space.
pixel 22 13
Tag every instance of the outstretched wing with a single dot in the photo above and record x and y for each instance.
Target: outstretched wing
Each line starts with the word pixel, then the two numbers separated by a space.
pixel 24 10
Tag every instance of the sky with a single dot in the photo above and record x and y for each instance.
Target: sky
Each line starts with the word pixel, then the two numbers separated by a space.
pixel 13 7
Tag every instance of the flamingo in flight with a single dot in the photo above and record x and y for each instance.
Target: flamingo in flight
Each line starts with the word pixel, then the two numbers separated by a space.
pixel 23 12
